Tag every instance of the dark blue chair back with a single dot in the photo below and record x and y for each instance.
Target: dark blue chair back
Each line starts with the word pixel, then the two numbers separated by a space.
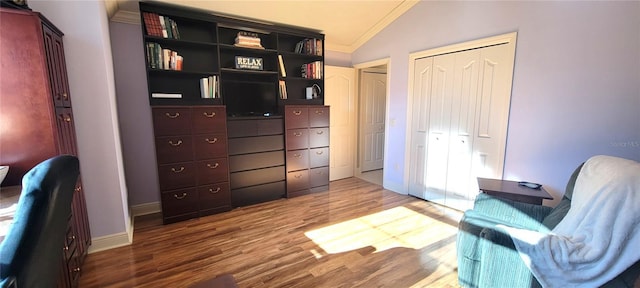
pixel 31 253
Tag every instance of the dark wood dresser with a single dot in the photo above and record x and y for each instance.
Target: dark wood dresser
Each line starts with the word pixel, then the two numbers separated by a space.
pixel 37 118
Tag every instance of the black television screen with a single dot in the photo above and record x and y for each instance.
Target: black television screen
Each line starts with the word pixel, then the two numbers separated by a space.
pixel 246 98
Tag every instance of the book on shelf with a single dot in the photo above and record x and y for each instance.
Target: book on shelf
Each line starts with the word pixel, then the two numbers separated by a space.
pixel 160 26
pixel 282 89
pixel 283 72
pixel 310 46
pixel 162 58
pixel 313 70
pixel 166 95
pixel 209 87
pixel 248 40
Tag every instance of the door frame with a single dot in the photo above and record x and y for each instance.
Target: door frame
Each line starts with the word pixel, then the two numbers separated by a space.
pixel 371 66
pixel 508 38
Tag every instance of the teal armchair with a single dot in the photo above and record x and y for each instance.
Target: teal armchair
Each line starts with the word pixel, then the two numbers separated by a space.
pixel 487 257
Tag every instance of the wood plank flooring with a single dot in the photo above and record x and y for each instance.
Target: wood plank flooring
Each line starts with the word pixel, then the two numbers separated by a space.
pixel 355 235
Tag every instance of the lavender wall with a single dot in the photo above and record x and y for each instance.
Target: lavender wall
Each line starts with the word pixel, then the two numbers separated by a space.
pixel 134 114
pixel 576 86
pixel 91 82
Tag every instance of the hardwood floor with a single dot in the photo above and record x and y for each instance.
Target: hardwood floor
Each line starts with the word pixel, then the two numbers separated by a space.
pixel 355 235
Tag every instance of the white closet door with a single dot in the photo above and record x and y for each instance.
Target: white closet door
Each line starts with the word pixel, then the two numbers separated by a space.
pixel 463 107
pixel 459 123
pixel 492 112
pixel 420 126
pixel 339 86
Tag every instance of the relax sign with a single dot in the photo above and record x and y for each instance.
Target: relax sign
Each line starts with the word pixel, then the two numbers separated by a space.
pixel 252 63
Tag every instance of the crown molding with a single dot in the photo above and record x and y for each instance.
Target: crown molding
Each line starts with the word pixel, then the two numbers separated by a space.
pixel 392 16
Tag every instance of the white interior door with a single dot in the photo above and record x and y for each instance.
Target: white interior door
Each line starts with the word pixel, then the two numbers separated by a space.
pixel 420 126
pixel 372 120
pixel 339 94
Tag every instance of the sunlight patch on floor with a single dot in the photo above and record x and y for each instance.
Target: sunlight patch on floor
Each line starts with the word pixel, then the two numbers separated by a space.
pixel 396 227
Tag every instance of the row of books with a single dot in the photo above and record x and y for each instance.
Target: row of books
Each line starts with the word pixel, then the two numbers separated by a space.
pixel 161 58
pixel 313 70
pixel 160 26
pixel 282 89
pixel 210 87
pixel 309 46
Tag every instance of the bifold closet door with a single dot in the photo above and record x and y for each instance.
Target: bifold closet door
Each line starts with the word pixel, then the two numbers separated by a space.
pixel 460 103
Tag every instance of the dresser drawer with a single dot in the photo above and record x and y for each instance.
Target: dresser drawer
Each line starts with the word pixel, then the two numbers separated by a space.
pixel 255 161
pixel 256 177
pixel 179 175
pixel 319 157
pixel 70 240
pixel 319 116
pixel 255 144
pixel 179 202
pixel 209 119
pixel 212 196
pixel 254 127
pixel 297 139
pixel 212 171
pixel 296 117
pixel 258 194
pixel 298 180
pixel 318 137
pixel 209 146
pixel 174 149
pixel 297 160
pixel 319 177
pixel 171 121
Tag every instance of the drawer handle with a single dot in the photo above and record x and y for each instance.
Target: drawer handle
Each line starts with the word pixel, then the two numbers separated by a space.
pixel 174 116
pixel 297 155
pixel 78 189
pixel 66 248
pixel 65 118
pixel 297 112
pixel 319 152
pixel 297 134
pixel 65 96
pixel 209 115
pixel 319 173
pixel 177 171
pixel 180 197
pixel 298 176
pixel 214 166
pixel 77 269
pixel 319 112
pixel 319 132
pixel 214 191
pixel 211 141
pixel 73 237
pixel 175 144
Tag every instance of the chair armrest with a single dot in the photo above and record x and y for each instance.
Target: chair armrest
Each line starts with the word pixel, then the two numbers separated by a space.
pixel 501 263
pixel 510 212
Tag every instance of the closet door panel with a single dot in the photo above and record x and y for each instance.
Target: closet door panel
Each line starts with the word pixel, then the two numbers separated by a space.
pixel 420 124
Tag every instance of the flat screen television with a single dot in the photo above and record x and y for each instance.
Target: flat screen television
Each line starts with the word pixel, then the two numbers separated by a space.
pixel 246 98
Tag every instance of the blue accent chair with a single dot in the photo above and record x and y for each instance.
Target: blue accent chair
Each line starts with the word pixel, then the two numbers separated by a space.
pixel 488 258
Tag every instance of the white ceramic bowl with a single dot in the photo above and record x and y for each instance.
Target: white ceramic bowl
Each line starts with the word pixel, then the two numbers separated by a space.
pixel 3 172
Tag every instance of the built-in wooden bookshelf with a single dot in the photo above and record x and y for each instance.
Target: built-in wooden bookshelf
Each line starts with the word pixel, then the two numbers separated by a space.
pixel 207 46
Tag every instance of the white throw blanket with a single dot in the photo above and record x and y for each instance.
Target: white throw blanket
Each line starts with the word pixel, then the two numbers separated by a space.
pixel 600 235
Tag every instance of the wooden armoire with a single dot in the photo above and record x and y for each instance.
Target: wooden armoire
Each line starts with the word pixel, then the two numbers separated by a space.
pixel 36 118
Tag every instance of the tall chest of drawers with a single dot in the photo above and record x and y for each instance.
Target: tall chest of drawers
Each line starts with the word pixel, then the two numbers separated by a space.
pixel 193 169
pixel 307 149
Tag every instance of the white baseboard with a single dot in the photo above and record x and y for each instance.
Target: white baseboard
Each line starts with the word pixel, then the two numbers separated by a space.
pixel 109 242
pixel 144 209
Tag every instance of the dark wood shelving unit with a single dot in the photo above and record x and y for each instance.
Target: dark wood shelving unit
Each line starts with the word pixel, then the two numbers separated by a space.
pixel 252 100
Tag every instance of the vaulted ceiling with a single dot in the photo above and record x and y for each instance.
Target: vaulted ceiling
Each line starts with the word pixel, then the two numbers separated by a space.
pixel 346 24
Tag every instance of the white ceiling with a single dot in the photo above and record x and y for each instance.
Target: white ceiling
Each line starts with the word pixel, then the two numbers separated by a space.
pixel 347 24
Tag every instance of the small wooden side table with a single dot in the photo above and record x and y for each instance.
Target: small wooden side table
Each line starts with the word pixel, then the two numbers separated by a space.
pixel 512 191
